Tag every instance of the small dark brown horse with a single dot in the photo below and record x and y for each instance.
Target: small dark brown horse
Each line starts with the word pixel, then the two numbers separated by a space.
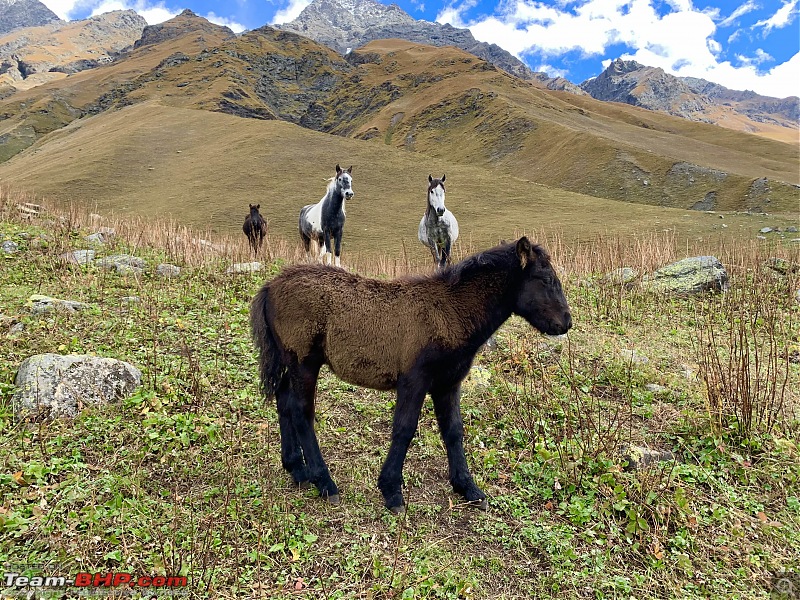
pixel 417 335
pixel 255 228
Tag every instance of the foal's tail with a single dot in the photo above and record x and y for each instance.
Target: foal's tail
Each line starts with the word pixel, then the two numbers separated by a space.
pixel 270 365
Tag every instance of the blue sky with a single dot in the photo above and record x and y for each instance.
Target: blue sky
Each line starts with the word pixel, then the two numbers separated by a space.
pixel 745 44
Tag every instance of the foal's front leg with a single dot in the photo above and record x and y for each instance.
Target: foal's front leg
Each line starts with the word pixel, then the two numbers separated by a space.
pixel 447 405
pixel 410 396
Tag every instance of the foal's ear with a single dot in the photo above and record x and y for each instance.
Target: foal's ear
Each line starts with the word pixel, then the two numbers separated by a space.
pixel 258 206
pixel 350 170
pixel 338 169
pixel 523 251
pixel 443 178
pixel 430 178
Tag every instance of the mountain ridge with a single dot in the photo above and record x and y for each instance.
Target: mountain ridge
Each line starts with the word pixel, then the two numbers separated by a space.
pixel 35 55
pixel 347 24
pixel 688 97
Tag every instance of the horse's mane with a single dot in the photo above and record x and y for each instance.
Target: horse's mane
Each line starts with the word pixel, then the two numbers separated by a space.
pixel 501 258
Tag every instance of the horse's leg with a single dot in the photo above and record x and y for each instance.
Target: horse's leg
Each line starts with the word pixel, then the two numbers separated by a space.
pixel 303 384
pixel 435 254
pixel 447 404
pixel 291 452
pixel 445 255
pixel 326 239
pixel 410 396
pixel 337 239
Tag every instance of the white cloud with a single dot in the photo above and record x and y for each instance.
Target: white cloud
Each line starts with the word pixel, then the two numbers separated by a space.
pixel 781 18
pixel 61 7
pixel 153 12
pixel 681 42
pixel 291 12
pixel 760 57
pixel 742 9
pixel 233 25
pixel 551 70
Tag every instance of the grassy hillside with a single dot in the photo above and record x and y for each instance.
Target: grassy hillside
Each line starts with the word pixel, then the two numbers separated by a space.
pixel 204 168
pixel 441 105
pixel 184 477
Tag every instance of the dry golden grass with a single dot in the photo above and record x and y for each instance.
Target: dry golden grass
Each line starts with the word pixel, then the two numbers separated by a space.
pixel 576 257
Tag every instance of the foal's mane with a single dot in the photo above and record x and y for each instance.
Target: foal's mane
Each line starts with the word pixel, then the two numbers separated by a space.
pixel 500 258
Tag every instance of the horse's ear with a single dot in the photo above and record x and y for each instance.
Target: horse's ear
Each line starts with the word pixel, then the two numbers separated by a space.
pixel 338 169
pixel 258 206
pixel 430 178
pixel 523 251
pixel 350 170
pixel 443 178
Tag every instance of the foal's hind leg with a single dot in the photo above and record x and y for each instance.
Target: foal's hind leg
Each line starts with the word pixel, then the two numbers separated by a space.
pixel 447 405
pixel 291 452
pixel 410 395
pixel 303 380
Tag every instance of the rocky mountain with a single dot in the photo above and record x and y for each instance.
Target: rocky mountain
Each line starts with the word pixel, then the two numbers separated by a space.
pixel 345 25
pixel 691 98
pixel 24 13
pixel 186 22
pixel 34 55
pixel 348 24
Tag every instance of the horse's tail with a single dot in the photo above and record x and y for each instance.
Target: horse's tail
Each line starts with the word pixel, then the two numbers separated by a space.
pixel 270 364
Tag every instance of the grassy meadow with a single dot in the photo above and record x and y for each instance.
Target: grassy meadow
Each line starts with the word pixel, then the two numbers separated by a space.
pixel 184 477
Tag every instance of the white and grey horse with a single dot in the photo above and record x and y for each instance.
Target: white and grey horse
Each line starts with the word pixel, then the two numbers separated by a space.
pixel 324 221
pixel 438 229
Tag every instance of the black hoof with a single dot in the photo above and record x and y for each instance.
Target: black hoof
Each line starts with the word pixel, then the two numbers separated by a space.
pixel 305 485
pixel 334 500
pixel 398 510
pixel 482 504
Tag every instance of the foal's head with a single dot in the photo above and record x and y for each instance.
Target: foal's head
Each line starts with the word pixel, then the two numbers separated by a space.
pixel 436 194
pixel 344 182
pixel 540 298
pixel 254 209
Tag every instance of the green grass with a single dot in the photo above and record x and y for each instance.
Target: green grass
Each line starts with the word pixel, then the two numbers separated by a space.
pixel 184 477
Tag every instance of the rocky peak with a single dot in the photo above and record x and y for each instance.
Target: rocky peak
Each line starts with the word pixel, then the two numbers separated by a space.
pixel 24 13
pixel 688 97
pixel 347 24
pixel 186 22
pixel 31 56
pixel 621 67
